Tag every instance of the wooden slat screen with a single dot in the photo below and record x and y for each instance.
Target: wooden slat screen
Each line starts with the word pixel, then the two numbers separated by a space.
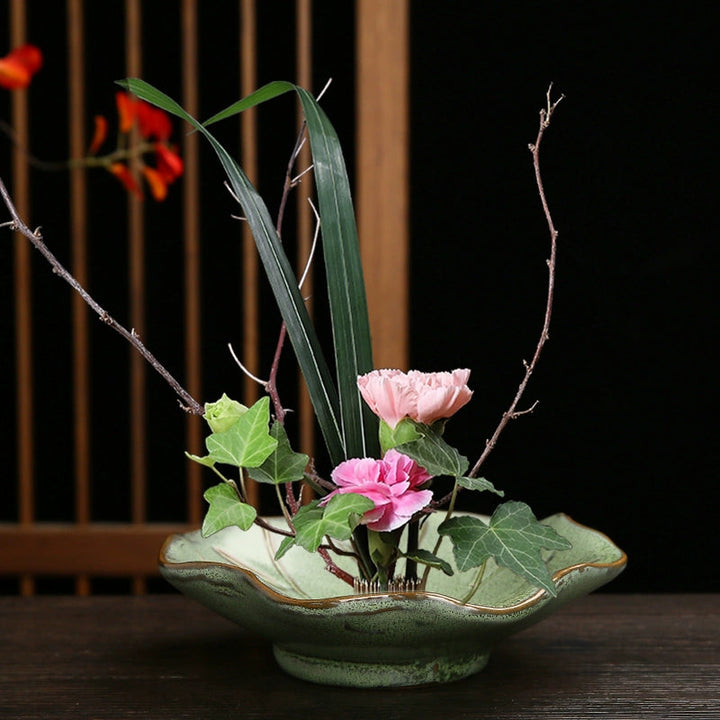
pixel 83 546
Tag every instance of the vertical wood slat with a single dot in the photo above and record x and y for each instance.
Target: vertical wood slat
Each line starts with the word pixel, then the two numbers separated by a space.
pixel 136 240
pixel 192 257
pixel 23 298
pixel 382 192
pixel 305 216
pixel 78 234
pixel 382 47
pixel 249 162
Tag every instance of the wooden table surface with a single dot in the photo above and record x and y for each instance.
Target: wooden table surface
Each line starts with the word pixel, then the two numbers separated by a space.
pixel 163 656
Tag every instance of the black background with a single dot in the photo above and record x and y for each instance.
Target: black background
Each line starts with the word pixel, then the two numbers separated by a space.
pixel 623 437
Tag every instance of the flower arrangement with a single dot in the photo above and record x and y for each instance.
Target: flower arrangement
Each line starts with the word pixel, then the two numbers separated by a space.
pixel 390 465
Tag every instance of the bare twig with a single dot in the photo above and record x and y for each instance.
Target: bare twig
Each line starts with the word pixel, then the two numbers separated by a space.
pixel 303 277
pixel 512 412
pixel 188 403
pixel 255 378
pixel 332 568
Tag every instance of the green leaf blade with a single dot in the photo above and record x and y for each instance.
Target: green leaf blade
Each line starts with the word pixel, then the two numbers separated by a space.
pixel 342 514
pixel 346 286
pixel 434 454
pixel 313 365
pixel 248 442
pixel 283 465
pixel 226 510
pixel 337 519
pixel 513 538
pixel 479 485
pixel 427 558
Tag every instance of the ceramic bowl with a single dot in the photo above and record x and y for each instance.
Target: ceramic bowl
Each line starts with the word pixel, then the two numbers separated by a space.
pixel 324 633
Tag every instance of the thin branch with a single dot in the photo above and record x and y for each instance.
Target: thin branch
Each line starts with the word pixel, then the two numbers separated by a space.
pixel 271 385
pixel 188 403
pixel 332 568
pixel 267 526
pixel 297 178
pixel 338 550
pixel 255 378
pixel 288 185
pixel 312 247
pixel 324 90
pixel 512 412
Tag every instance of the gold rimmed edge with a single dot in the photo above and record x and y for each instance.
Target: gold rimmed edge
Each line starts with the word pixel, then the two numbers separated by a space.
pixel 324 603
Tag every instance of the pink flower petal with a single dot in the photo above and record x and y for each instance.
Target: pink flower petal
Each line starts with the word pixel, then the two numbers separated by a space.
pixel 424 397
pixel 391 484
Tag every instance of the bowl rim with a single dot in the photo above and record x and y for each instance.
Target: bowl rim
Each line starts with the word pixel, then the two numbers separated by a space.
pixel 411 595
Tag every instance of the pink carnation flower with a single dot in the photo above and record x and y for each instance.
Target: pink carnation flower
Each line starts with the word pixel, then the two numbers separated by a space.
pixel 424 397
pixel 391 483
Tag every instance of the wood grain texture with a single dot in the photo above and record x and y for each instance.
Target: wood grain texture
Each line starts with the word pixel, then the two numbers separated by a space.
pixel 382 157
pixel 605 656
pixel 98 549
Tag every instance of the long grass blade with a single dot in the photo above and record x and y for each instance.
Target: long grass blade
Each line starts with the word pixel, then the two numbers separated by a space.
pixel 280 274
pixel 346 287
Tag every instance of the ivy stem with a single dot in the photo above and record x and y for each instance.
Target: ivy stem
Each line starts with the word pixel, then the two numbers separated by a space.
pixel 438 542
pixel 476 583
pixel 283 506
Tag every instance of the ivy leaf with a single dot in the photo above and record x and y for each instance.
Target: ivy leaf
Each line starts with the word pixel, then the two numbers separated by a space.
pixel 343 513
pixel 226 509
pixel 337 519
pixel 480 484
pixel 427 558
pixel 434 454
pixel 308 527
pixel 206 460
pixel 283 465
pixel 513 539
pixel 285 545
pixel 247 443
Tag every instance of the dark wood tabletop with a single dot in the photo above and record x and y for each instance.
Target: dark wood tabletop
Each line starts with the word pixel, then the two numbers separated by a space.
pixel 163 656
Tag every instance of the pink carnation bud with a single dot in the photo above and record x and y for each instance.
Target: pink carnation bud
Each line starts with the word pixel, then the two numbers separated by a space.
pixel 391 483
pixel 424 397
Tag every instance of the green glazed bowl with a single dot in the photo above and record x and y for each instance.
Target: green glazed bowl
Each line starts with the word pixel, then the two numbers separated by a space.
pixel 321 632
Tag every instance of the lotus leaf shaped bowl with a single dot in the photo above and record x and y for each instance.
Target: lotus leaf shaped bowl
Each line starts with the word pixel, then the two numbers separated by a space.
pixel 322 633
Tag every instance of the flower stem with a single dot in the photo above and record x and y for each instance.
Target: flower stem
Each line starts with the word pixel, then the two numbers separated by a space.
pixel 476 584
pixel 412 546
pixel 283 506
pixel 438 542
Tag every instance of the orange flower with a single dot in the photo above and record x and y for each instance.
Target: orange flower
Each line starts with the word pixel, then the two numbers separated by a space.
pixel 126 111
pixel 158 186
pixel 18 67
pixel 101 128
pixel 122 173
pixel 152 122
pixel 169 163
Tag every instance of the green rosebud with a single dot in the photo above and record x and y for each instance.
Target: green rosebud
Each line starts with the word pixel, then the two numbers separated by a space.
pixel 223 414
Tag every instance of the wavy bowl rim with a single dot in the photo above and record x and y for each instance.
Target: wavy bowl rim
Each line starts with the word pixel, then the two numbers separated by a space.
pixel 414 595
